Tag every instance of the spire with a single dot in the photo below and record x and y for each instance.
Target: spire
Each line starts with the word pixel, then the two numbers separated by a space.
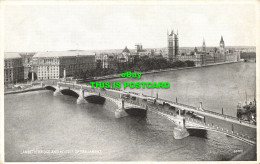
pixel 204 46
pixel 221 39
pixel 171 33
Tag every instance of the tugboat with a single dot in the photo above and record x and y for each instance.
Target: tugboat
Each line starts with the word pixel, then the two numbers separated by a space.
pixel 247 112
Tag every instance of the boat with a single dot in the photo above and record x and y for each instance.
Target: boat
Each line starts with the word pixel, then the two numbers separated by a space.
pixel 247 112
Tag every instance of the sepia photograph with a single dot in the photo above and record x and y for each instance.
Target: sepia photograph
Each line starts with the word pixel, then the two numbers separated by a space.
pixel 129 81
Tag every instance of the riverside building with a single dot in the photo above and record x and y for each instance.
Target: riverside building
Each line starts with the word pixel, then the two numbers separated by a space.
pixel 57 64
pixel 13 68
pixel 105 60
pixel 203 57
pixel 27 63
pixel 114 60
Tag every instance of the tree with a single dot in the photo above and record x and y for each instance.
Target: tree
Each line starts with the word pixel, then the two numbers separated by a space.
pixel 190 63
pixel 179 63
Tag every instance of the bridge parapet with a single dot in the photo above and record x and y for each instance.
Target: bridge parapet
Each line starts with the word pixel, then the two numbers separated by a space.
pixel 192 123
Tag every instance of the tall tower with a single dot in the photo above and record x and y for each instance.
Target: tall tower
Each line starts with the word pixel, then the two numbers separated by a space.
pixel 222 45
pixel 170 45
pixel 139 47
pixel 176 44
pixel 203 46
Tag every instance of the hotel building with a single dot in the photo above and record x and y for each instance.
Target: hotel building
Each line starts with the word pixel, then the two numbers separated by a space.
pixel 51 65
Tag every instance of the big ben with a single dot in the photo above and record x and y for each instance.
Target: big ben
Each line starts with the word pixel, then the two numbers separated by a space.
pixel 173 45
pixel 170 45
pixel 222 45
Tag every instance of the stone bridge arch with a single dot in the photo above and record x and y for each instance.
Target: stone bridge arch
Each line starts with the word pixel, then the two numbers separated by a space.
pixel 49 87
pixel 94 97
pixel 124 109
pixel 136 111
pixel 82 95
pixel 70 92
pixel 60 90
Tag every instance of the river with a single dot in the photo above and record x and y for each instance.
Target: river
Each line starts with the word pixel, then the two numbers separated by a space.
pixel 41 127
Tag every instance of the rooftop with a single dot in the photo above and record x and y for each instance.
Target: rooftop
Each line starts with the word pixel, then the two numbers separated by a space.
pixel 63 54
pixel 126 50
pixel 11 55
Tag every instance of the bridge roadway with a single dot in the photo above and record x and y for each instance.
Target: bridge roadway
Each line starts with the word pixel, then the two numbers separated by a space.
pixel 206 119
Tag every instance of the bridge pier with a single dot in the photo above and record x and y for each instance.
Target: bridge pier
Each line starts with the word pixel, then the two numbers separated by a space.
pixel 120 112
pixel 81 98
pixel 180 131
pixel 57 92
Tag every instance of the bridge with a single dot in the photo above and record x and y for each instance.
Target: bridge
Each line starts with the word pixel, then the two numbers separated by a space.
pixel 183 116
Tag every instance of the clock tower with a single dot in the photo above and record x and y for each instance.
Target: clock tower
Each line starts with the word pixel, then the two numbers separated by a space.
pixel 170 45
pixel 222 45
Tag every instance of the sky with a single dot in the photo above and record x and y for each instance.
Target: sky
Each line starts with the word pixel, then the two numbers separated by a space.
pixel 34 27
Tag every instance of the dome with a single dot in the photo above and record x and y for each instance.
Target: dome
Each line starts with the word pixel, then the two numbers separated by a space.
pixel 126 50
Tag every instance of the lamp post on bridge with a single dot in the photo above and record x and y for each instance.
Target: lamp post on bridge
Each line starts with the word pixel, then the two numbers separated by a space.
pixel 200 106
pixel 64 74
pixel 82 93
pixel 179 112
pixel 123 104
pixel 41 84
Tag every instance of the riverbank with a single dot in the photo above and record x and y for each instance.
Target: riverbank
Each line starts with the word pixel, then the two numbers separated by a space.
pixel 161 70
pixel 35 88
pixel 175 69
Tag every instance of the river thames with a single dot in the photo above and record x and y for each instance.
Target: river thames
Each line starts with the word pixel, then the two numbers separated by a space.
pixel 41 127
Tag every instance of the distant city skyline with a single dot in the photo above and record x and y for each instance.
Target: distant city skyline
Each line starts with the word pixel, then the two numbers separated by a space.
pixel 100 27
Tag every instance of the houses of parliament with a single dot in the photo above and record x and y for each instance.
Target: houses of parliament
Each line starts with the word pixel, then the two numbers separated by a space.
pixel 201 56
